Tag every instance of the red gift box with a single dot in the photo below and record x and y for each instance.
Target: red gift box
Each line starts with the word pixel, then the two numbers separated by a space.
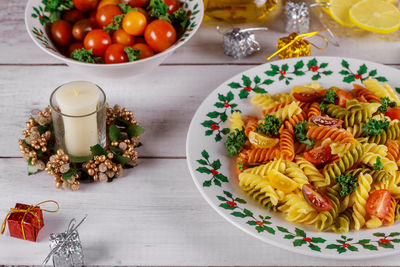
pixel 25 221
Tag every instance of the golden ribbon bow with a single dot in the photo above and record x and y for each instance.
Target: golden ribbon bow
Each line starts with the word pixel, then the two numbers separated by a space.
pixel 301 36
pixel 30 210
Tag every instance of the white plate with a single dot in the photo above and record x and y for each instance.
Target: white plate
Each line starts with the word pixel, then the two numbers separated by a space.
pixel 213 170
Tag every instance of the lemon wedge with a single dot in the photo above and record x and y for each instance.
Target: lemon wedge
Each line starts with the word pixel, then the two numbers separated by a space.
pixel 281 182
pixel 339 11
pixel 377 16
pixel 262 141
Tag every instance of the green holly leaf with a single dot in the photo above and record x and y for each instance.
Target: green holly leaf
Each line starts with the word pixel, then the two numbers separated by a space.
pixel 217 182
pixel 327 73
pixel 394 234
pixel 341 250
pixel 243 94
pixel 228 194
pixel 259 90
pixel 349 78
pixel 312 62
pixel 246 80
pixel 386 245
pixel 379 234
pixel 241 201
pixel 398 90
pixel 333 246
pixel 345 64
pixel 68 175
pixel 282 229
pixel 314 247
pixel 225 130
pixel 269 229
pixel 381 79
pixel 370 247
pixel 213 114
pixel 323 65
pixel 300 232
pixel 221 97
pixel 233 106
pixel 205 155
pixel 344 72
pixel 234 85
pixel 298 73
pixel 289 236
pixel 284 67
pixel 207 183
pixel 281 77
pixel 203 170
pixel 352 248
pixel 221 177
pixel 114 133
pixel 340 241
pixel 229 96
pixel 219 105
pixel 396 240
pixel 316 77
pixel 248 212
pixel 260 228
pixel 257 79
pixel 372 73
pixel 223 117
pixel 287 82
pixel 222 198
pixel 251 222
pixel 226 206
pixel 238 214
pixel 363 241
pixel 98 150
pixel 362 69
pixel 268 82
pixel 208 123
pixel 216 164
pixel 317 240
pixel 299 242
pixel 209 132
pixel 218 137
pixel 275 67
pixel 134 130
pixel 299 65
pixel 202 162
pixel 271 72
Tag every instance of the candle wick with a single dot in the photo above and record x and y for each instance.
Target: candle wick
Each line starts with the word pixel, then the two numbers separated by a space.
pixel 76 92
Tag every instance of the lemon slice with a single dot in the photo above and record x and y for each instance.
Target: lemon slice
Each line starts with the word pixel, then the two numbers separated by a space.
pixel 377 16
pixel 281 182
pixel 262 141
pixel 339 11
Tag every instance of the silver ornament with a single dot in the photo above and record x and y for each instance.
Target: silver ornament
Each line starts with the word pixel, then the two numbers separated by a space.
pixel 298 17
pixel 241 43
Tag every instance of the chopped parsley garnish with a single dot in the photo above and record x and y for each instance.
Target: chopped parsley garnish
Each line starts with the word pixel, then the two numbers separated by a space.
pixel 115 24
pixel 55 7
pixel 385 103
pixel 348 183
pixel 378 164
pixel 300 132
pixel 158 10
pixel 330 98
pixel 180 19
pixel 84 55
pixel 270 125
pixel 133 54
pixel 126 8
pixel 240 165
pixel 375 127
pixel 235 142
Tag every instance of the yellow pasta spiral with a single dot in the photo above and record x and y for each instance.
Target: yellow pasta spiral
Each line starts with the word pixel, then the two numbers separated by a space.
pixel 360 199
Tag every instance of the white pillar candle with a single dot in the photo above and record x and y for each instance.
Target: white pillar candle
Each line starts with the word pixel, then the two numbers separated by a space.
pixel 79 99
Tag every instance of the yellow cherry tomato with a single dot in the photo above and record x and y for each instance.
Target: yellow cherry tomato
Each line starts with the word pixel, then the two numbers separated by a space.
pixel 134 23
pixel 108 2
pixel 281 181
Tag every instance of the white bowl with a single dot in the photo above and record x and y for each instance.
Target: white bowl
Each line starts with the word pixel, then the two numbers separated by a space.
pixel 36 28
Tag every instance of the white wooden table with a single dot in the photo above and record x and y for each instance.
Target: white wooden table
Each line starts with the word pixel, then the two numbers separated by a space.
pixel 154 215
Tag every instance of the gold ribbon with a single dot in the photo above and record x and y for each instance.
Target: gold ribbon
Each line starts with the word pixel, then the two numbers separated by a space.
pixel 302 36
pixel 30 210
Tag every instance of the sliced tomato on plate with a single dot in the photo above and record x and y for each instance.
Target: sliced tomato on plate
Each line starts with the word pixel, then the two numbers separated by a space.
pixel 378 203
pixel 310 96
pixel 317 200
pixel 393 113
pixel 343 96
pixel 326 121
pixel 319 155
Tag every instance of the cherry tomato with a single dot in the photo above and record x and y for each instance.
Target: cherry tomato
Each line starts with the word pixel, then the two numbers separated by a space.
pixel 73 15
pixel 378 203
pixel 134 23
pixel 81 28
pixel 115 54
pixel 343 96
pixel 145 50
pixel 309 97
pixel 85 5
pixel 98 40
pixel 160 35
pixel 172 6
pixel 326 121
pixel 393 113
pixel 140 39
pixel 105 15
pixel 122 37
pixel 92 17
pixel 318 155
pixel 317 200
pixel 108 2
pixel 74 46
pixel 61 32
pixel 137 3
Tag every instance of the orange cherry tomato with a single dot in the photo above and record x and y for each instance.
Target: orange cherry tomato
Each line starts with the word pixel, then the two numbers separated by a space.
pixel 393 113
pixel 107 2
pixel 317 200
pixel 115 54
pixel 172 6
pixel 160 35
pixel 72 47
pixel 61 31
pixel 343 96
pixel 105 15
pixel 318 155
pixel 378 203
pixel 81 28
pixel 122 37
pixel 85 5
pixel 137 3
pixel 145 50
pixel 73 15
pixel 98 40
pixel 134 23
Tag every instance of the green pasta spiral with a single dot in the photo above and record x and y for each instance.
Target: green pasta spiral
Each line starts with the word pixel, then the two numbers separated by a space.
pixel 377 175
pixel 343 222
pixel 335 111
pixel 349 158
pixel 393 132
pixel 355 115
pixel 327 218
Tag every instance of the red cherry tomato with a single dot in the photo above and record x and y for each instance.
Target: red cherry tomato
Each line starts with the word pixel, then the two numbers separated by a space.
pixel 73 15
pixel 318 155
pixel 122 37
pixel 326 121
pixel 85 5
pixel 378 203
pixel 74 46
pixel 137 3
pixel 61 32
pixel 134 23
pixel 98 40
pixel 108 2
pixel 92 17
pixel 140 39
pixel 343 96
pixel 309 97
pixel 393 113
pixel 81 28
pixel 105 15
pixel 160 35
pixel 172 5
pixel 317 200
pixel 115 54
pixel 145 50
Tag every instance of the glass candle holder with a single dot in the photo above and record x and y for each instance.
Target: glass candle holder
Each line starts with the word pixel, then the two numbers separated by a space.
pixel 79 118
